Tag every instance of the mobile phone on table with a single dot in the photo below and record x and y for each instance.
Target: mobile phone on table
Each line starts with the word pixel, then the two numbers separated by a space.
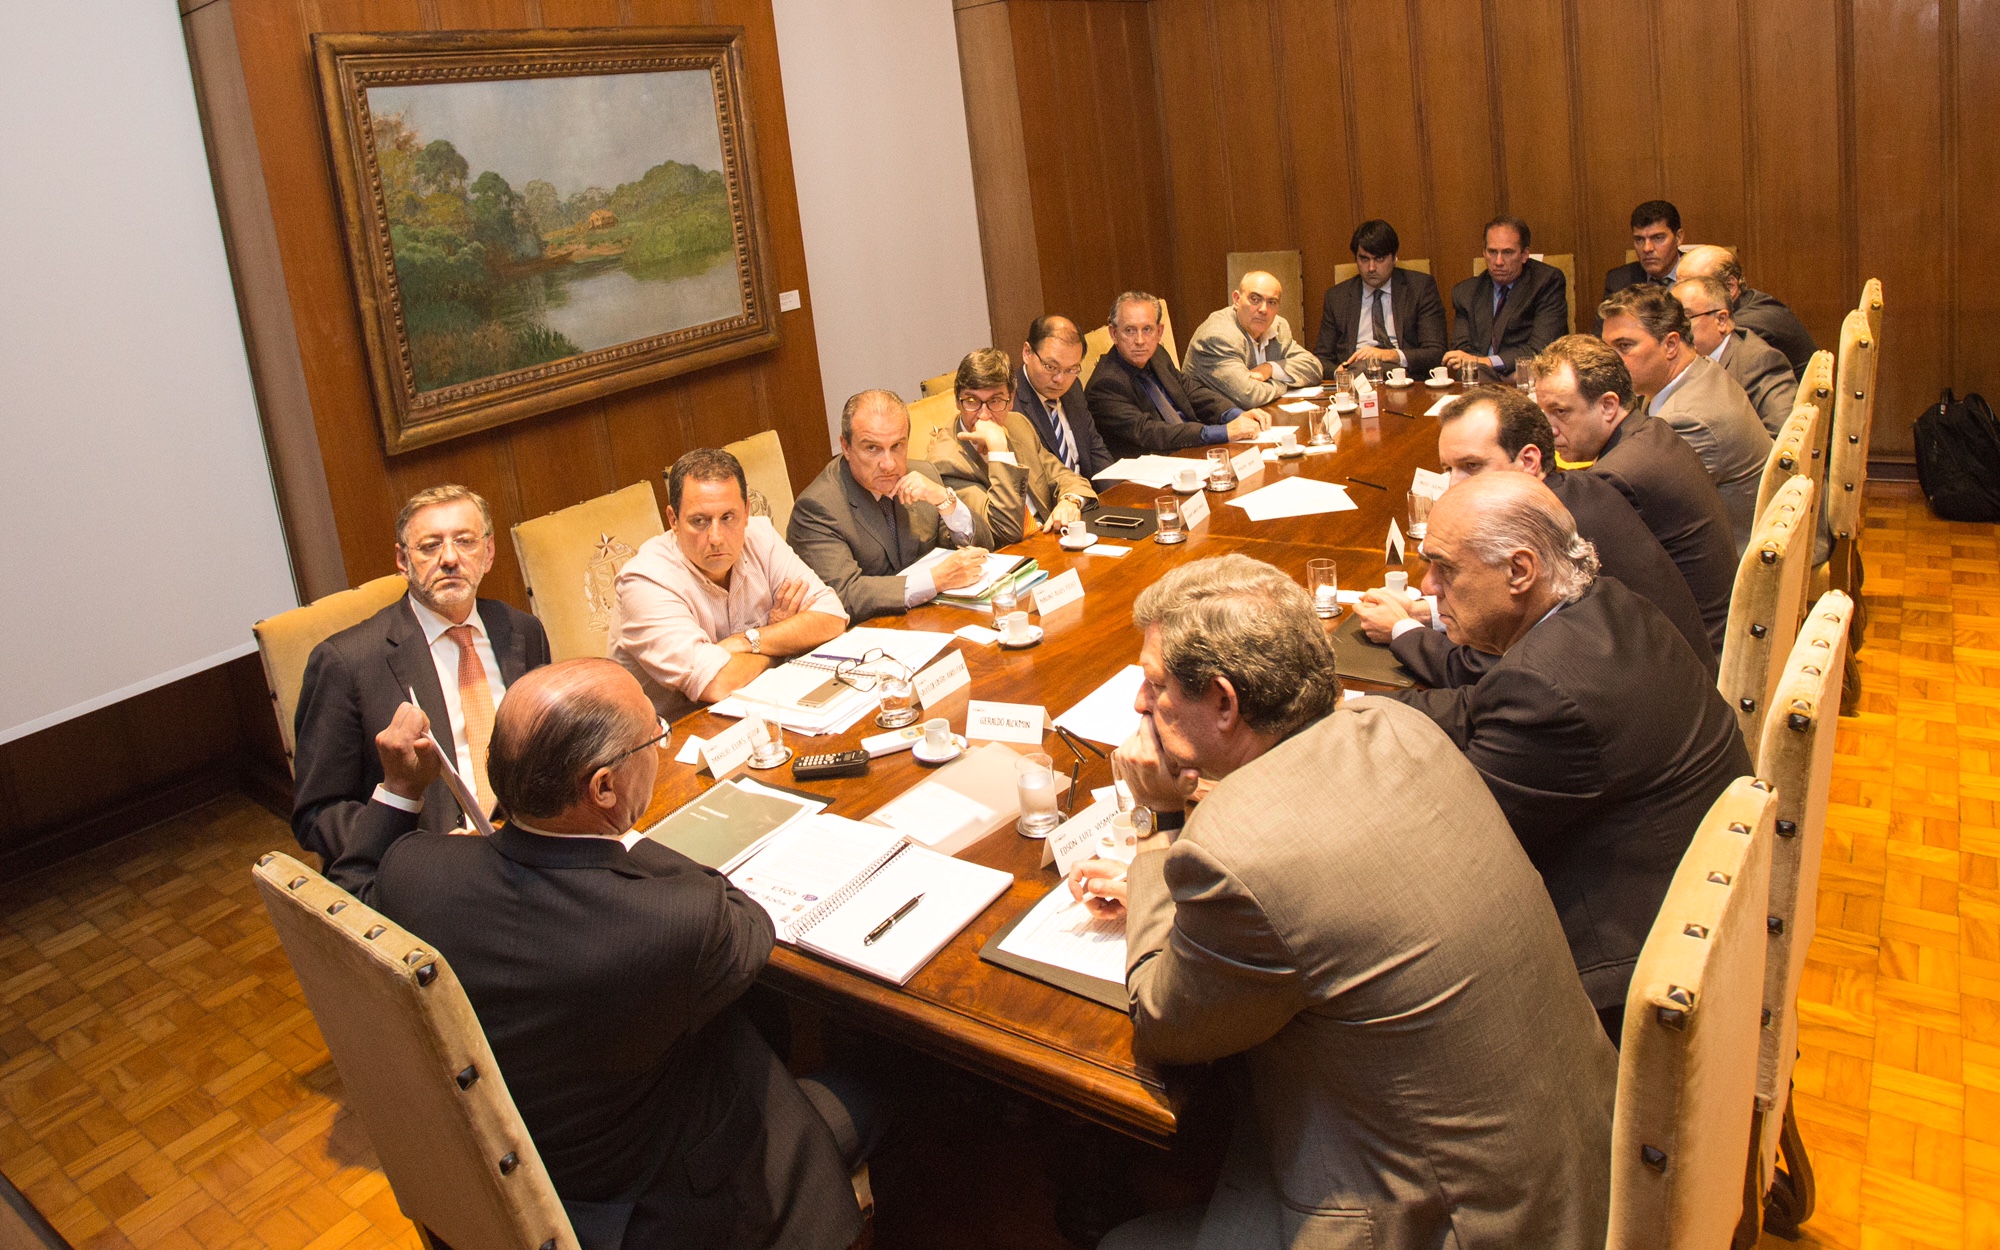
pixel 822 694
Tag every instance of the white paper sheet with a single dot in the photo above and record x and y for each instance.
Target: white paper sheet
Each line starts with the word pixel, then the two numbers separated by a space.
pixel 978 633
pixel 929 814
pixel 1105 715
pixel 1294 496
pixel 1061 931
pixel 1438 407
pixel 1305 392
pixel 1102 548
pixel 1154 471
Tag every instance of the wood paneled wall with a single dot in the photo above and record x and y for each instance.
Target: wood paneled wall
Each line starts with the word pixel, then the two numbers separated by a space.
pixel 1829 140
pixel 537 465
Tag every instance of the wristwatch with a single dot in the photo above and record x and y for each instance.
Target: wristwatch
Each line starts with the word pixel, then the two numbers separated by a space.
pixel 752 637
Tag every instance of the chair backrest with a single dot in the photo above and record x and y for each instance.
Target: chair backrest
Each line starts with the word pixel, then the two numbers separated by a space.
pixel 1871 306
pixel 570 561
pixel 1098 341
pixel 1796 757
pixel 1816 388
pixel 931 418
pixel 1565 261
pixel 1342 273
pixel 1286 267
pixel 763 459
pixel 940 385
pixel 1853 413
pixel 1764 609
pixel 415 1065
pixel 285 641
pixel 1791 453
pixel 1687 1068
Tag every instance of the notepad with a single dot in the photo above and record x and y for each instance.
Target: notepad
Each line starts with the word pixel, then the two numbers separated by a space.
pixel 829 884
pixel 728 822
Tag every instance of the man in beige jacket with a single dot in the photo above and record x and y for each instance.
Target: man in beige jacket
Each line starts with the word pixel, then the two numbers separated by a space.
pixel 1347 910
pixel 1246 351
pixel 997 462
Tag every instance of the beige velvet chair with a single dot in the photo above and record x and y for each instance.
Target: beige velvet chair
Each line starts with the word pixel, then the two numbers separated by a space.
pixel 931 418
pixel 1687 1068
pixel 763 459
pixel 1847 476
pixel 1796 757
pixel 414 1064
pixel 939 385
pixel 1286 267
pixel 285 641
pixel 1793 454
pixel 1871 305
pixel 1565 261
pixel 1765 607
pixel 1098 341
pixel 1342 273
pixel 570 561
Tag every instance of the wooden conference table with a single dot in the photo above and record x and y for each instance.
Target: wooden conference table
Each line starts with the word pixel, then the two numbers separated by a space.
pixel 1067 1050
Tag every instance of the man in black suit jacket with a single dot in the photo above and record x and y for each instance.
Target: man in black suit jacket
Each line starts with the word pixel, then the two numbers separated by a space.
pixel 1510 312
pixel 1047 394
pixel 1142 404
pixel 356 679
pixel 1656 237
pixel 1408 327
pixel 1763 315
pixel 605 971
pixel 1597 730
pixel 1497 428
pixel 1586 392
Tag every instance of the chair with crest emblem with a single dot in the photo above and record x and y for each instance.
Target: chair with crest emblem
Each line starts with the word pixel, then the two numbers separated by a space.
pixel 570 561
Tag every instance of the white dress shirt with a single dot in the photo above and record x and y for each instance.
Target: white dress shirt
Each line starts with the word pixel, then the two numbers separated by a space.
pixel 1365 337
pixel 1265 356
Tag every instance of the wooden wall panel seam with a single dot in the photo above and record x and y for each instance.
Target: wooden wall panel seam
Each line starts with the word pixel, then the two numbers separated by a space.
pixel 1220 85
pixel 1850 177
pixel 1426 173
pixel 1293 231
pixel 1579 184
pixel 1948 184
pixel 1489 32
pixel 1357 199
pixel 1746 77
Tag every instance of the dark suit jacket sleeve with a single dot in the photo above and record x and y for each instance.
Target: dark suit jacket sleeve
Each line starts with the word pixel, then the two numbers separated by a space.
pixel 1117 412
pixel 369 834
pixel 1461 316
pixel 1211 405
pixel 1551 319
pixel 1332 335
pixel 331 777
pixel 735 947
pixel 815 534
pixel 1437 661
pixel 1425 346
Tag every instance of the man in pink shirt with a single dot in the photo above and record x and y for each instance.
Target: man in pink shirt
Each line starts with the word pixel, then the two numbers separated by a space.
pixel 719 597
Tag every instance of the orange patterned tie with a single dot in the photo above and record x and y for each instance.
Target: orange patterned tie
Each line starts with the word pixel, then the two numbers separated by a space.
pixel 475 702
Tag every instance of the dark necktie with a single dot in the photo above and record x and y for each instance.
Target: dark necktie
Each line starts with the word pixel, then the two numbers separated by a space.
pixel 1160 400
pixel 1065 450
pixel 1375 330
pixel 1499 302
pixel 892 512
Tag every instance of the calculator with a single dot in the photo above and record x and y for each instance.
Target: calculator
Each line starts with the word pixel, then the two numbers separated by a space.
pixel 834 764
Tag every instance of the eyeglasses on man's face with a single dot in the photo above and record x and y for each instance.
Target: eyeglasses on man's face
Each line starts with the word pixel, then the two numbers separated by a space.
pixel 466 545
pixel 1057 374
pixel 992 403
pixel 661 723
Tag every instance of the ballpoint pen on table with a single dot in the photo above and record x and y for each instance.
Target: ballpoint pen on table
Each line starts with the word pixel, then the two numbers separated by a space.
pixel 875 934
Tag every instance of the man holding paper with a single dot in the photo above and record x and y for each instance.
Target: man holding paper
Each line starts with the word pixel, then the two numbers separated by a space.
pixel 605 970
pixel 707 606
pixel 997 464
pixel 873 513
pixel 1424 1065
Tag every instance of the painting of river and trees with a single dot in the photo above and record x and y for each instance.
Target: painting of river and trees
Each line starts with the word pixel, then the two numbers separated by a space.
pixel 548 231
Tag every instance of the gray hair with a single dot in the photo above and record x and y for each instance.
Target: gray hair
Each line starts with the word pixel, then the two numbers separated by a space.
pixel 864 399
pixel 432 496
pixel 1523 522
pixel 1715 288
pixel 1235 617
pixel 1137 297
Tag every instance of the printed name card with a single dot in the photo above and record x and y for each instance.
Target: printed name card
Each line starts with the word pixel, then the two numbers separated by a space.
pixel 1005 722
pixel 1066 587
pixel 1194 510
pixel 1424 482
pixel 942 678
pixel 1392 550
pixel 1246 463
pixel 730 748
pixel 1077 837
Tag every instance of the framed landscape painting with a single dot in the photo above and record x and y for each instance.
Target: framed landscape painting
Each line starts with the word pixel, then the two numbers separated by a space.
pixel 536 218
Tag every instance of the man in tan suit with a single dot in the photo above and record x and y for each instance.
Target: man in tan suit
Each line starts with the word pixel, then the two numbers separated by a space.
pixel 998 464
pixel 1423 1066
pixel 1246 351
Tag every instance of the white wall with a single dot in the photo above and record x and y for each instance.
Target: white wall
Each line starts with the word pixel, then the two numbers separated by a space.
pixel 141 535
pixel 884 172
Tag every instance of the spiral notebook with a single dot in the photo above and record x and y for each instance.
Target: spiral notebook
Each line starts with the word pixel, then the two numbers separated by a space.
pixel 829 883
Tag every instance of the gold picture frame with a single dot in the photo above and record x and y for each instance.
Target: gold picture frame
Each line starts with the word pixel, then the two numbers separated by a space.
pixel 537 218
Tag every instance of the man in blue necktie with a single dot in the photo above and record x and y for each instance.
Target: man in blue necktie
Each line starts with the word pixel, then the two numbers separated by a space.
pixel 1510 312
pixel 1143 404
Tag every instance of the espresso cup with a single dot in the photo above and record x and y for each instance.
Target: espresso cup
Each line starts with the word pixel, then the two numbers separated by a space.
pixel 1014 627
pixel 1399 375
pixel 1441 374
pixel 1187 479
pixel 937 736
pixel 1288 438
pixel 1076 531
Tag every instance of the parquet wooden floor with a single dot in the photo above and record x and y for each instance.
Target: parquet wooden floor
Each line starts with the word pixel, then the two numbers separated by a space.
pixel 162 1083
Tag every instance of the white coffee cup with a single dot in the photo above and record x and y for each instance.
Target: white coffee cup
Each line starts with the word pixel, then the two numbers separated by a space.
pixel 937 735
pixel 1076 531
pixel 1399 375
pixel 1014 627
pixel 1288 438
pixel 1397 581
pixel 1440 374
pixel 1187 479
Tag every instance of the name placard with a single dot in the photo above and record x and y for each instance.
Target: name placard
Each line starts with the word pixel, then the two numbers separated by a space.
pixel 1249 461
pixel 1005 722
pixel 1194 510
pixel 1078 837
pixel 942 678
pixel 1066 587
pixel 728 749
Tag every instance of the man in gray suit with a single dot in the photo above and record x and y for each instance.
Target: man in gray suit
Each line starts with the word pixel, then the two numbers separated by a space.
pixel 1760 313
pixel 873 512
pixel 1649 330
pixel 1759 368
pixel 1423 1066
pixel 1246 351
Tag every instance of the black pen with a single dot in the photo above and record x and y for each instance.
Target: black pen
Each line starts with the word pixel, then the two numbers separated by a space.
pixel 1072 739
pixel 1358 482
pixel 1075 767
pixel 875 934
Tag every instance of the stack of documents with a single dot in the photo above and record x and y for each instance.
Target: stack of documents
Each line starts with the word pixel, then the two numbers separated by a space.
pixel 1000 569
pixel 1154 471
pixel 1294 496
pixel 776 693
pixel 730 821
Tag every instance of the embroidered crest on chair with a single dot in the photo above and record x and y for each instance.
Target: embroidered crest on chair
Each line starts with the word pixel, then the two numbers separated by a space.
pixel 600 578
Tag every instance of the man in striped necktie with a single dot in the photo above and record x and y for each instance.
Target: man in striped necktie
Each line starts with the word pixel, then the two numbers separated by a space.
pixel 1047 391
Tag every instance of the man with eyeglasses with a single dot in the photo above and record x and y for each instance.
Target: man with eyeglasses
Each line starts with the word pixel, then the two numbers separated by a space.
pixel 606 971
pixel 458 652
pixel 873 514
pixel 704 608
pixel 997 464
pixel 1759 368
pixel 1246 351
pixel 1142 404
pixel 1046 393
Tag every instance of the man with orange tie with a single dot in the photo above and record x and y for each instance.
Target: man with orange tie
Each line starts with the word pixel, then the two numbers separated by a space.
pixel 456 651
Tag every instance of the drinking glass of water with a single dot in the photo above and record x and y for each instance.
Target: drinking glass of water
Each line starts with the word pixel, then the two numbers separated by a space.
pixel 1420 515
pixel 1323 584
pixel 1035 783
pixel 1168 509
